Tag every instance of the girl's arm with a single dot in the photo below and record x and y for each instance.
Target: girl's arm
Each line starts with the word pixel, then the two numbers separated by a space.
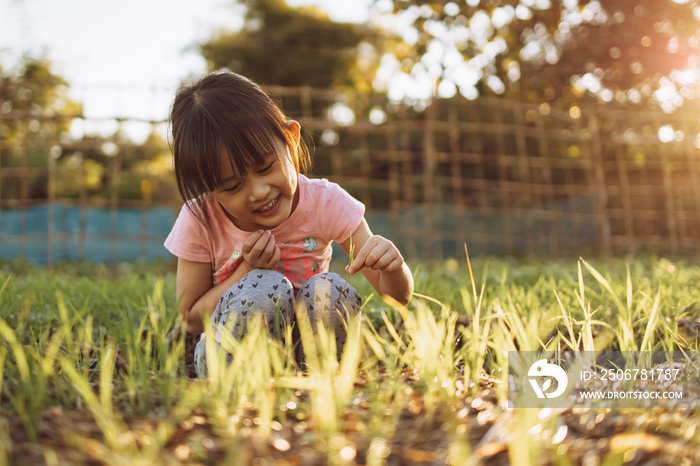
pixel 381 263
pixel 194 284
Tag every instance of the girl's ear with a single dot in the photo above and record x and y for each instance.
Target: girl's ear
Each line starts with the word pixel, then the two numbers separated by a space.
pixel 295 128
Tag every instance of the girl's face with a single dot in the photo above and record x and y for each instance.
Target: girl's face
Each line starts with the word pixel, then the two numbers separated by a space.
pixel 264 197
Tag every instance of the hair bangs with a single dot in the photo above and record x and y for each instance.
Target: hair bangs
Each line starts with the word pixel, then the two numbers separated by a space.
pixel 196 152
pixel 248 142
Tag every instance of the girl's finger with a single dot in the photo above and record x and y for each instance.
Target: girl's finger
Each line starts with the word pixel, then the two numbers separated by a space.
pixel 251 241
pixel 261 244
pixel 394 265
pixel 366 258
pixel 275 257
pixel 376 257
pixel 270 246
pixel 386 259
pixel 359 260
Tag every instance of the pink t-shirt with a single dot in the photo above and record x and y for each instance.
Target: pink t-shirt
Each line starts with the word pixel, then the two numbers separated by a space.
pixel 325 213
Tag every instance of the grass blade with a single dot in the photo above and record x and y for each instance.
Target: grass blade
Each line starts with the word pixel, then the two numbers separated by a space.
pixel 597 275
pixel 651 325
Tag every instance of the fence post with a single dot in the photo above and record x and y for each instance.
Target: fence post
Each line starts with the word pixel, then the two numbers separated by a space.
pixel 693 169
pixel 670 204
pixel 50 216
pixel 626 195
pixel 456 178
pixel 526 204
pixel 429 198
pixel 505 184
pixel 600 188
pixel 24 189
pixel 82 216
pixel 547 191
pixel 114 198
pixel 394 182
pixel 408 191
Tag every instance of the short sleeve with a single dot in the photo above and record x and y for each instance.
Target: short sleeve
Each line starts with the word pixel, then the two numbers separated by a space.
pixel 188 239
pixel 341 214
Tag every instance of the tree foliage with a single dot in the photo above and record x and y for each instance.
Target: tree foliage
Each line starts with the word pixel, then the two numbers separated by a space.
pixel 36 113
pixel 30 93
pixel 622 50
pixel 281 45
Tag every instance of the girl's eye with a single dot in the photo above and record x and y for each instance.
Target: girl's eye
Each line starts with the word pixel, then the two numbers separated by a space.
pixel 266 169
pixel 233 188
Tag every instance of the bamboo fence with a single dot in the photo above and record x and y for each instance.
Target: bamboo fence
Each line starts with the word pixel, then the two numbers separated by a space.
pixel 503 176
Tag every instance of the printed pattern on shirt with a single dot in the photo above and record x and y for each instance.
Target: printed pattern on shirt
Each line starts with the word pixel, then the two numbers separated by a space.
pixel 291 256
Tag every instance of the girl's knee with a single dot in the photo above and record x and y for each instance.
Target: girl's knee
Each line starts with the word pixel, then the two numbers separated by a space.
pixel 259 287
pixel 265 293
pixel 259 279
pixel 346 293
pixel 330 298
pixel 327 279
pixel 200 359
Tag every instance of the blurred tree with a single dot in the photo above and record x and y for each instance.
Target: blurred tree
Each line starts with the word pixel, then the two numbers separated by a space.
pixel 141 167
pixel 281 45
pixel 35 113
pixel 29 95
pixel 148 170
pixel 553 50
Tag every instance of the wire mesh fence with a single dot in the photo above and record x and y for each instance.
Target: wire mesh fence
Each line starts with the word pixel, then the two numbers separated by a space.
pixel 503 176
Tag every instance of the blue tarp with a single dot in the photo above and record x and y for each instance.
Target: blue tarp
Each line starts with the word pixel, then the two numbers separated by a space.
pixel 571 223
pixel 140 232
pixel 25 233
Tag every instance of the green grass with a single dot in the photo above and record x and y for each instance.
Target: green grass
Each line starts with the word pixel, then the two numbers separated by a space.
pixel 94 369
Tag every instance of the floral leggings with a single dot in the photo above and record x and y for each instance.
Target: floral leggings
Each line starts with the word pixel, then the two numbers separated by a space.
pixel 270 294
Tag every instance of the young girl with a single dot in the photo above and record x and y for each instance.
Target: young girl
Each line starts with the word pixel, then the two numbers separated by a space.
pixel 255 237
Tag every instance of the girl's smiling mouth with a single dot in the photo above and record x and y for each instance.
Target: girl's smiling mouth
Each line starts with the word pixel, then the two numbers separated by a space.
pixel 270 207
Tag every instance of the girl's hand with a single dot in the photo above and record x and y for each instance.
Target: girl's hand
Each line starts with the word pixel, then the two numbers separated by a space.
pixel 260 251
pixel 378 253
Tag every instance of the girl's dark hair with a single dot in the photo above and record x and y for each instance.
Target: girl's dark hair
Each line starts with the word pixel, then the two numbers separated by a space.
pixel 225 113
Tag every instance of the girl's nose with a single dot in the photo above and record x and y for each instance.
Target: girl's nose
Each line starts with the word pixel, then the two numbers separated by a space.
pixel 259 191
